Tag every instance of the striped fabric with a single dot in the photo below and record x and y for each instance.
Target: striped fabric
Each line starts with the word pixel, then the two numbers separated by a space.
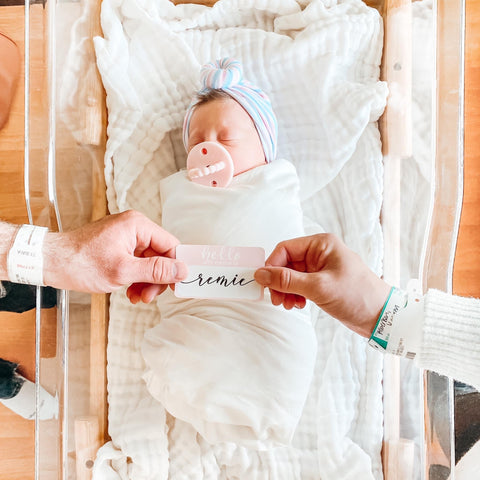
pixel 227 75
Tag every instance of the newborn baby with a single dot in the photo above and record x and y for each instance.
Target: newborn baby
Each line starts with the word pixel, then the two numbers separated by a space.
pixel 237 371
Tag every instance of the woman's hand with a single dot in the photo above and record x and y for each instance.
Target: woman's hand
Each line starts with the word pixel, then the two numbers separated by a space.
pixel 323 269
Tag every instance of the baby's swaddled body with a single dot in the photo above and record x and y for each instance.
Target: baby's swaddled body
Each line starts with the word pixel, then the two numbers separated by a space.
pixel 238 371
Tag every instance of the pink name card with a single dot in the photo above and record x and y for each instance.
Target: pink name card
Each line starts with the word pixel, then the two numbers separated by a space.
pixel 220 272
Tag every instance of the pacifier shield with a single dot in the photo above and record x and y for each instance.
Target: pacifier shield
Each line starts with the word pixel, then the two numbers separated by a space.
pixel 210 164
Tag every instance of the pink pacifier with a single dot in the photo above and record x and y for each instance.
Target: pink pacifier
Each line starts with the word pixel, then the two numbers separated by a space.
pixel 210 164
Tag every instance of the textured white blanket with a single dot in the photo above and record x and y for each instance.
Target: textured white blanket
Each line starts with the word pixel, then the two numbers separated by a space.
pixel 237 371
pixel 319 63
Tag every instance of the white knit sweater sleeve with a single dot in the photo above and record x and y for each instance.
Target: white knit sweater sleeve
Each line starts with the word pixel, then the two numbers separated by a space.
pixel 451 337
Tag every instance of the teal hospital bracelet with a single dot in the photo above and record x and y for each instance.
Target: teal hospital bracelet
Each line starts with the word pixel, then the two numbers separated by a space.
pixel 381 333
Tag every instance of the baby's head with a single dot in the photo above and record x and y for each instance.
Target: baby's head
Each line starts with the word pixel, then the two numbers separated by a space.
pixel 234 113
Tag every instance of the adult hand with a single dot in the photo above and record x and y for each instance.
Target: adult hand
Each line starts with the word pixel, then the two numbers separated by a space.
pixel 323 269
pixel 122 249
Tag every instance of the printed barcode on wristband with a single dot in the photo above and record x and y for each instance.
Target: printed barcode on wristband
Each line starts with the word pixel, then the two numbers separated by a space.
pixel 24 259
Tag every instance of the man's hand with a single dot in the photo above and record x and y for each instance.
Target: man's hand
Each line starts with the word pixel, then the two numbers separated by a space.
pixel 122 249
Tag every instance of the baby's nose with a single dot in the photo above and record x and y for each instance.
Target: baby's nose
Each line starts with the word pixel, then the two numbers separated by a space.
pixel 210 137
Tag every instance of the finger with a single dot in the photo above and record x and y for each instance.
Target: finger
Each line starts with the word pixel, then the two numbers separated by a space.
pixel 149 292
pixel 289 301
pixel 290 251
pixel 276 297
pixel 300 301
pixel 285 280
pixel 134 293
pixel 149 234
pixel 298 266
pixel 144 292
pixel 147 252
pixel 158 270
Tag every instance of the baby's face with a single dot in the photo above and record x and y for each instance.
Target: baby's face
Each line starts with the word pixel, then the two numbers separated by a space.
pixel 226 122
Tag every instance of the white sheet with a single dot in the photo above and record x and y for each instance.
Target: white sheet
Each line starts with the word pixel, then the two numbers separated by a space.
pixel 319 63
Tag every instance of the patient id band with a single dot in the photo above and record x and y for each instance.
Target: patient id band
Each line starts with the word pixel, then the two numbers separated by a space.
pixel 25 258
pixel 399 328
pixel 406 334
pixel 381 333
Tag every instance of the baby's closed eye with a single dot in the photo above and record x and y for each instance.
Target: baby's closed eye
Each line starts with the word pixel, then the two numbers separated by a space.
pixel 229 140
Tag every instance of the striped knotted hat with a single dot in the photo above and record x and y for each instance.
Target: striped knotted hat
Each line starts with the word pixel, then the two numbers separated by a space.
pixel 227 75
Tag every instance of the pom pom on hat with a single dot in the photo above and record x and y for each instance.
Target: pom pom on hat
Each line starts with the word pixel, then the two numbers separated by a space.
pixel 227 75
pixel 222 74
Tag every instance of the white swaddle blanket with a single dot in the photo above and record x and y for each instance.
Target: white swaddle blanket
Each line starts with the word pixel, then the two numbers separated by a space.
pixel 236 371
pixel 318 61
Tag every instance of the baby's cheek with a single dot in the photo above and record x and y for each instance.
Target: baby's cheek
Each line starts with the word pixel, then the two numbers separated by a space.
pixel 246 161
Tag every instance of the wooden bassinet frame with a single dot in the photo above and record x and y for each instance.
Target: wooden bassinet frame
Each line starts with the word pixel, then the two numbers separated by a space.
pixel 396 128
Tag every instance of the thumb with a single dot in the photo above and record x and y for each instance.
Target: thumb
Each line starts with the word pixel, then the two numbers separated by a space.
pixel 160 270
pixel 285 280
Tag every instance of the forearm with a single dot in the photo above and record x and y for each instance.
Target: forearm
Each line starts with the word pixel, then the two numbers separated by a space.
pixel 7 235
pixel 60 260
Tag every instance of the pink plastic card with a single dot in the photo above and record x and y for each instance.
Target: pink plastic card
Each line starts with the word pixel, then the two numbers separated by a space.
pixel 220 272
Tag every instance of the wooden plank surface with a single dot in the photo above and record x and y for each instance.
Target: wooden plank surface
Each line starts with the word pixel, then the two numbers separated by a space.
pixel 466 274
pixel 12 199
pixel 17 342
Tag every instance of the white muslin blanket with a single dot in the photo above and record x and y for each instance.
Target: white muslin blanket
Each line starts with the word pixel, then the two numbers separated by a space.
pixel 236 371
pixel 319 63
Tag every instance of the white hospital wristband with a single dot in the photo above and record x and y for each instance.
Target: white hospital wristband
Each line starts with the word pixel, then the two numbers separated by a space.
pixel 406 333
pixel 25 258
pixel 399 328
pixel 381 332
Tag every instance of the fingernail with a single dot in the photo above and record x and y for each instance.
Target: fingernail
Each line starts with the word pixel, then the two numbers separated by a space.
pixel 147 299
pixel 134 299
pixel 263 276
